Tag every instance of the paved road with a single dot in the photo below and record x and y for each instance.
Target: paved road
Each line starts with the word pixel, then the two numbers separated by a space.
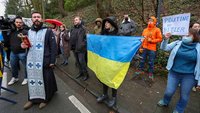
pixel 64 101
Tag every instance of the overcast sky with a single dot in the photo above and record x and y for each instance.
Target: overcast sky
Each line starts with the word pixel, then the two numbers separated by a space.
pixel 2 8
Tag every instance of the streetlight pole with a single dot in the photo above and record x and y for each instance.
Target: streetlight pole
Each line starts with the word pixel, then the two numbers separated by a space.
pixel 159 2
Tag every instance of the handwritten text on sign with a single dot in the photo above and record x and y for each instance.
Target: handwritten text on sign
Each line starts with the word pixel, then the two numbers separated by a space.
pixel 176 24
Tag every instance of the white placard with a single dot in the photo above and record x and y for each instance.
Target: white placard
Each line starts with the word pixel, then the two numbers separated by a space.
pixel 176 24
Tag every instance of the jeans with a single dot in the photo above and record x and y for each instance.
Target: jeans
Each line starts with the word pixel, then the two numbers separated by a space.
pixel 80 60
pixel 63 54
pixel 14 61
pixel 105 90
pixel 151 56
pixel 186 81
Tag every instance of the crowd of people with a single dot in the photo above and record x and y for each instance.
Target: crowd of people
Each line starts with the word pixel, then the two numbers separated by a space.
pixel 38 60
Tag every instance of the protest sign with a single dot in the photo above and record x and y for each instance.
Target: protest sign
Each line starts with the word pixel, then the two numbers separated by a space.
pixel 176 24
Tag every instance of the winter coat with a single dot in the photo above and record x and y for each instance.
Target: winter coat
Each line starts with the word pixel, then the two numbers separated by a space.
pixel 15 41
pixel 97 29
pixel 127 28
pixel 98 20
pixel 109 32
pixel 65 42
pixel 78 38
pixel 173 47
pixel 154 34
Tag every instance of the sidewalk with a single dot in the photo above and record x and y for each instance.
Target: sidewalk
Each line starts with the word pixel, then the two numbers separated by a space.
pixel 134 95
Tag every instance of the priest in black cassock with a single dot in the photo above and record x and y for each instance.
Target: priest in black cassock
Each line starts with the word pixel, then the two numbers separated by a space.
pixel 41 58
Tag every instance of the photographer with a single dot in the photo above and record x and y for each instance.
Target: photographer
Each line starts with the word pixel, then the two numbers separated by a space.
pixel 6 44
pixel 17 53
pixel 5 26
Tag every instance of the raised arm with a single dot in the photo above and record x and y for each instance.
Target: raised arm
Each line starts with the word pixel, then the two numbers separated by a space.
pixel 165 46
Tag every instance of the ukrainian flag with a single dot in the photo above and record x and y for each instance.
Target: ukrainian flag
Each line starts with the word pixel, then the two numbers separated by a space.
pixel 110 56
pixel 1 64
pixel 1 36
pixel 1 56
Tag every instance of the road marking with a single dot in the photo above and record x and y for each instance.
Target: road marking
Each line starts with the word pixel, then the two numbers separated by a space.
pixel 78 104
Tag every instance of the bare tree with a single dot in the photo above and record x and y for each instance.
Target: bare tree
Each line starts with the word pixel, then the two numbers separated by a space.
pixel 61 8
pixel 104 8
pixel 37 5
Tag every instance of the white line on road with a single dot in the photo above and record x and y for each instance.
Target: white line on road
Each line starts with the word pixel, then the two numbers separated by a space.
pixel 78 104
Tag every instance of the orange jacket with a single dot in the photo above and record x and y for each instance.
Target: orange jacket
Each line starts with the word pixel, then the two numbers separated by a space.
pixel 153 34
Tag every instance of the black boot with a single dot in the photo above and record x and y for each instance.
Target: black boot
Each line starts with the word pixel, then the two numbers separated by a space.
pixel 112 102
pixel 65 63
pixel 102 98
pixel 80 75
pixel 62 63
pixel 86 76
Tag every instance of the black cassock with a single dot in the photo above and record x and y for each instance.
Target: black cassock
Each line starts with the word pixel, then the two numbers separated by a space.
pixel 50 51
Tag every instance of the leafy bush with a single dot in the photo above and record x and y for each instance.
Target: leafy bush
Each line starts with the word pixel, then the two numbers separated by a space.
pixel 71 5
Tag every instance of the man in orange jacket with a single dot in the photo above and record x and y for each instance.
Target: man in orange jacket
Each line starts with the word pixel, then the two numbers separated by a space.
pixel 152 35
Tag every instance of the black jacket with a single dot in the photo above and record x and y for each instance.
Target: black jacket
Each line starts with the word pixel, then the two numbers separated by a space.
pixel 15 41
pixel 78 39
pixel 6 39
pixel 109 32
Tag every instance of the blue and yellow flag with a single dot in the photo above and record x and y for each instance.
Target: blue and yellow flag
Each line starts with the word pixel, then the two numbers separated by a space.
pixel 1 36
pixel 1 66
pixel 110 56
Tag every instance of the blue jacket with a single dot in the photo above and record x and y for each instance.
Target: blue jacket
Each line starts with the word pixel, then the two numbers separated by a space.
pixel 173 47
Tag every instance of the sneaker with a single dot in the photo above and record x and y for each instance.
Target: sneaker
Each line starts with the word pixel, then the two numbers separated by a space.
pixel 175 111
pixel 13 80
pixel 151 76
pixel 62 63
pixel 161 103
pixel 25 81
pixel 102 98
pixel 138 72
pixel 112 102
pixel 194 89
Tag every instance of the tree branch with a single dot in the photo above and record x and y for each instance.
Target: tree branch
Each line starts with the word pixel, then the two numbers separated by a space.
pixel 61 8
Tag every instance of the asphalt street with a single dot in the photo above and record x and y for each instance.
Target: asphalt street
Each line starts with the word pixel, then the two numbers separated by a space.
pixel 64 101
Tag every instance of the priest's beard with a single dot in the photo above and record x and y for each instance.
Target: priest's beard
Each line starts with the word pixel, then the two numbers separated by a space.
pixel 37 24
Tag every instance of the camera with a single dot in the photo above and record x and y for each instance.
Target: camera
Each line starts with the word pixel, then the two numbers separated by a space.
pixel 6 24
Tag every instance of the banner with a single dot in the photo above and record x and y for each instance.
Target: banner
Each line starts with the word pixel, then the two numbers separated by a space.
pixel 176 24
